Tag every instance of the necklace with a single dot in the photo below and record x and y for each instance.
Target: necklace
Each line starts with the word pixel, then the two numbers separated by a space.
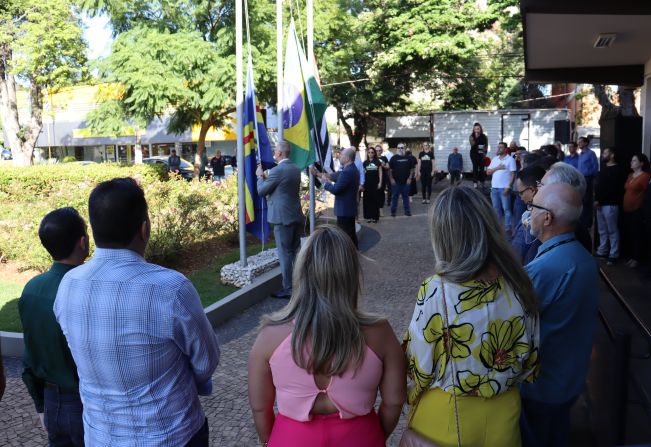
pixel 553 246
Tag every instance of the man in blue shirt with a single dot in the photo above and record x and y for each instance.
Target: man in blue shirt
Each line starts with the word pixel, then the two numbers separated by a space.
pixel 573 158
pixel 564 276
pixel 143 346
pixel 589 167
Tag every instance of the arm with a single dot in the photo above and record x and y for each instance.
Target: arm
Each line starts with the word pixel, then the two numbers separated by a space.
pixel 262 393
pixel 35 385
pixel 268 185
pixel 343 181
pixel 393 387
pixel 379 185
pixel 195 336
pixel 433 165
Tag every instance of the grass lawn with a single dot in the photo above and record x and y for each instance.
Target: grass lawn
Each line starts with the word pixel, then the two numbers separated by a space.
pixel 207 281
pixel 9 294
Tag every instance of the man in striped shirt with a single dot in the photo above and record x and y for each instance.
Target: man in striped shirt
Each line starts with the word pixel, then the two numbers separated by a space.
pixel 143 346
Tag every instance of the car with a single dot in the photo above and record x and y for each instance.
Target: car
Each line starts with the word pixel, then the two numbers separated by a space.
pixel 6 154
pixel 187 168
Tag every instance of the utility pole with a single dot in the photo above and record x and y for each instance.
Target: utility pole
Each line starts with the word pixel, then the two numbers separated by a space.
pixel 241 180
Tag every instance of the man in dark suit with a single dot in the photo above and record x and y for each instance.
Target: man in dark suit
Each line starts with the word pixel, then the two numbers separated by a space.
pixel 344 188
pixel 281 185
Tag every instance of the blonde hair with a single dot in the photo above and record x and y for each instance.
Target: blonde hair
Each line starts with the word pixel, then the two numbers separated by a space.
pixel 324 306
pixel 467 237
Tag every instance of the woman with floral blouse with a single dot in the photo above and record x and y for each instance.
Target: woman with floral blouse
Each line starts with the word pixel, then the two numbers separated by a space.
pixel 474 332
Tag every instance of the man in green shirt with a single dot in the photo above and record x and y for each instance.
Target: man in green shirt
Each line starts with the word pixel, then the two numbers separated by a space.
pixel 50 373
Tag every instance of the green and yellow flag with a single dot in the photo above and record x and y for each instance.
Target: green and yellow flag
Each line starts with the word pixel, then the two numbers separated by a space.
pixel 297 122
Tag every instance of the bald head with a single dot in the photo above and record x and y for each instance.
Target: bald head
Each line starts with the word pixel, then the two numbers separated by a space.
pixel 349 154
pixel 563 201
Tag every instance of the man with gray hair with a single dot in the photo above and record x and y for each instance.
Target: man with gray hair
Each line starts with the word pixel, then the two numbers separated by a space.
pixel 561 172
pixel 564 276
pixel 281 185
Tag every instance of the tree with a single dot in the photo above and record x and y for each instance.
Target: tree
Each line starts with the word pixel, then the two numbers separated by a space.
pixel 178 56
pixel 41 49
pixel 624 105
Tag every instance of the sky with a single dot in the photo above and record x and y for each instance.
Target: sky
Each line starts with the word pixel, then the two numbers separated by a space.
pixel 97 32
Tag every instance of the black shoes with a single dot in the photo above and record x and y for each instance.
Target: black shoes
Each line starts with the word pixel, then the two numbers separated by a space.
pixel 281 295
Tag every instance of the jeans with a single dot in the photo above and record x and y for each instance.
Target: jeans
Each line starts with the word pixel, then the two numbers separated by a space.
pixel 400 190
pixel 545 425
pixel 502 205
pixel 63 417
pixel 455 176
pixel 200 438
pixel 347 224
pixel 607 216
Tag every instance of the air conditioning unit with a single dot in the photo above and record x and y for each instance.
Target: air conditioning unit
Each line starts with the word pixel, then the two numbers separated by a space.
pixel 605 40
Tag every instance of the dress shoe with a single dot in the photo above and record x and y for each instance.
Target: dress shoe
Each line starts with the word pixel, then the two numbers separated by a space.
pixel 281 295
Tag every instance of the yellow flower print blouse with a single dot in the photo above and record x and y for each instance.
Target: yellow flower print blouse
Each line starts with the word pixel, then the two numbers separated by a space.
pixel 493 342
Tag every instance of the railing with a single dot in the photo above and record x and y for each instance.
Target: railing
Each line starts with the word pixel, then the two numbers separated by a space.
pixel 623 355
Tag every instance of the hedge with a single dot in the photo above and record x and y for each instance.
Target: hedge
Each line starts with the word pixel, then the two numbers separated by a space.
pixel 183 214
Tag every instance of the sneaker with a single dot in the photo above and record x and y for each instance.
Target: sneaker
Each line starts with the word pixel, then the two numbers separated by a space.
pixel 611 261
pixel 424 202
pixel 475 185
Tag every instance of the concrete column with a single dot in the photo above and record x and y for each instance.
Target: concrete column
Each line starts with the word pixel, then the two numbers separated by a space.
pixel 645 110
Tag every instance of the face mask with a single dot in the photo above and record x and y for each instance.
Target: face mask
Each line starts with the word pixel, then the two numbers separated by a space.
pixel 526 219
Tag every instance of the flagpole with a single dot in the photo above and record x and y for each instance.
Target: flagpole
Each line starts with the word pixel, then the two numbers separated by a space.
pixel 310 58
pixel 279 69
pixel 239 95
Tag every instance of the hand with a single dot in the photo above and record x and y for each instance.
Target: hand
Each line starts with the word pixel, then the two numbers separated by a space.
pixel 418 177
pixel 259 171
pixel 507 191
pixel 314 172
pixel 41 418
pixel 409 181
pixel 379 186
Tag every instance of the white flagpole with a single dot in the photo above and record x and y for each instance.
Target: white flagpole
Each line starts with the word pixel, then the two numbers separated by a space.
pixel 310 60
pixel 279 69
pixel 239 95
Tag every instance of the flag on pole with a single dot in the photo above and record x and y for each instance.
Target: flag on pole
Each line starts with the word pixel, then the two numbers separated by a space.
pixel 320 129
pixel 256 142
pixel 296 108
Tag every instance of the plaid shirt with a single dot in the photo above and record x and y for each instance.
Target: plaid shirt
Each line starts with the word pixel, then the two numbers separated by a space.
pixel 143 348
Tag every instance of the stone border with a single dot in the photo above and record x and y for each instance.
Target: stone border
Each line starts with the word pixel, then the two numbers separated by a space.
pixel 11 344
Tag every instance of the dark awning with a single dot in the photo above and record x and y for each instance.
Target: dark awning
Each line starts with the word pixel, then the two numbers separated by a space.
pixel 560 36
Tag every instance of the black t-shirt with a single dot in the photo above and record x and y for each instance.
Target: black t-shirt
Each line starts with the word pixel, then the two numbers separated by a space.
pixel 481 140
pixel 372 173
pixel 217 165
pixel 401 166
pixel 609 189
pixel 426 159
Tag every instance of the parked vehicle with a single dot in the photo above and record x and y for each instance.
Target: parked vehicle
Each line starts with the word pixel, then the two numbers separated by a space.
pixel 6 154
pixel 187 169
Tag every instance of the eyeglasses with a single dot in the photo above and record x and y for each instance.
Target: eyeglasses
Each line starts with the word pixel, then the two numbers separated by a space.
pixel 531 206
pixel 524 190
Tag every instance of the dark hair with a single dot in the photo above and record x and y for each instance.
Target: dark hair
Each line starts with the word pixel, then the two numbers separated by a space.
pixel 531 158
pixel 502 142
pixel 117 209
pixel 531 175
pixel 60 231
pixel 573 143
pixel 612 150
pixel 477 124
pixel 644 160
pixel 586 139
pixel 550 150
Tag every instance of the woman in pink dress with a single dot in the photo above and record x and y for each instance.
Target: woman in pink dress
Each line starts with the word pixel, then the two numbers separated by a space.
pixel 323 360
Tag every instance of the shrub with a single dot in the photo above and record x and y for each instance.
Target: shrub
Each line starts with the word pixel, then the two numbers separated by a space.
pixel 69 159
pixel 183 214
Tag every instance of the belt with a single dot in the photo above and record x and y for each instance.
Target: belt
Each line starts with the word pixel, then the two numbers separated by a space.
pixel 61 389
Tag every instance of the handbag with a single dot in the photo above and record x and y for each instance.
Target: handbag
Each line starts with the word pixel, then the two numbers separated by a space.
pixel 411 438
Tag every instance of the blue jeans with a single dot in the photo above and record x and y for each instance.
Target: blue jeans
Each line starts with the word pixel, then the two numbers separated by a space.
pixel 502 205
pixel 63 417
pixel 400 190
pixel 607 216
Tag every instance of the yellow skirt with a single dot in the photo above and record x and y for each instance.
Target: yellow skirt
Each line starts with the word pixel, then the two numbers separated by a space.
pixel 482 422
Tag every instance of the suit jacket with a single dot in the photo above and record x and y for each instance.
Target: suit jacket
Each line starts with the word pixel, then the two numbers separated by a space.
pixel 345 190
pixel 282 188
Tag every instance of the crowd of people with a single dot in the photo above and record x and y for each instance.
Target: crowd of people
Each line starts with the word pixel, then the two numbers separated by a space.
pixel 118 350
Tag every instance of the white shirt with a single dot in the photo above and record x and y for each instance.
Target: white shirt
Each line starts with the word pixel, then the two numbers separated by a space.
pixel 502 178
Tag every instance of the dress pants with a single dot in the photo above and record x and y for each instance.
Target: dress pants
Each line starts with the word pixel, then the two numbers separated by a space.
pixel 347 224
pixel 288 241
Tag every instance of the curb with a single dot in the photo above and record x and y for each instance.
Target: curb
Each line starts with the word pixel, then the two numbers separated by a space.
pixel 12 343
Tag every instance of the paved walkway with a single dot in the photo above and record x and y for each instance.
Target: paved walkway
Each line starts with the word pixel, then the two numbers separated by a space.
pixel 394 266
